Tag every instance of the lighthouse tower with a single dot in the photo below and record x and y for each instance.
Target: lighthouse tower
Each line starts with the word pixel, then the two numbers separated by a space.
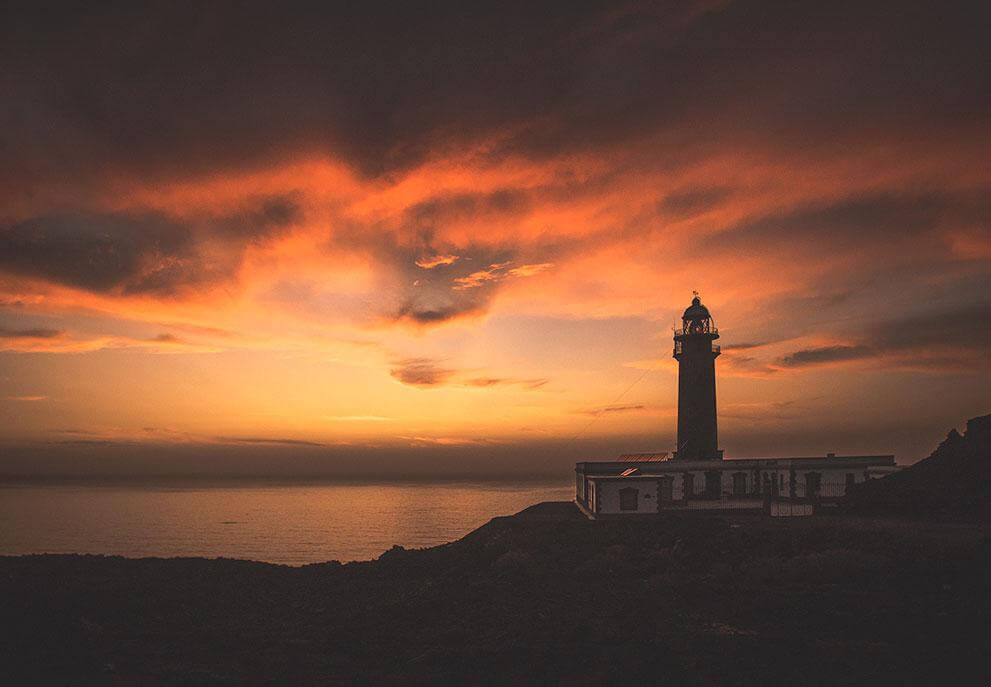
pixel 696 356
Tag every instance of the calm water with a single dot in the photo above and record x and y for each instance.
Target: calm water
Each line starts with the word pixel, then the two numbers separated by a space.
pixel 276 523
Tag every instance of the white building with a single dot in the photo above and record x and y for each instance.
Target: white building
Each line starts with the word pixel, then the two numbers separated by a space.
pixel 651 483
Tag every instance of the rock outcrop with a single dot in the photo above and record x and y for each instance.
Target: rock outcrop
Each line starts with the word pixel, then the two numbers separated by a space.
pixel 953 482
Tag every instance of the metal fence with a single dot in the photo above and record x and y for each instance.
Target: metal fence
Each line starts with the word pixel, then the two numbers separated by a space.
pixel 798 490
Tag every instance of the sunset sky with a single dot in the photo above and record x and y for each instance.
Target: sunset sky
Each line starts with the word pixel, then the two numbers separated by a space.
pixel 454 237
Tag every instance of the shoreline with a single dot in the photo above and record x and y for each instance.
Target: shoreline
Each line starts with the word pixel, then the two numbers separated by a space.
pixel 935 531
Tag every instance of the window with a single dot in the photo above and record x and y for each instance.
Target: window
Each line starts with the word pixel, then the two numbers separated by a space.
pixel 774 488
pixel 851 479
pixel 629 498
pixel 688 485
pixel 813 480
pixel 739 484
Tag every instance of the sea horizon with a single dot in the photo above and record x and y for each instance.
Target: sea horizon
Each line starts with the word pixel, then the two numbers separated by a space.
pixel 272 520
pixel 227 479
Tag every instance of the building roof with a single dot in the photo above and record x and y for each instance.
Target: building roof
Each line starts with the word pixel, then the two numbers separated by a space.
pixel 660 466
pixel 696 311
pixel 643 457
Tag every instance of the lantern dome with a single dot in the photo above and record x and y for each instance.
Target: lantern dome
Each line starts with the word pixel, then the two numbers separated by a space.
pixel 696 311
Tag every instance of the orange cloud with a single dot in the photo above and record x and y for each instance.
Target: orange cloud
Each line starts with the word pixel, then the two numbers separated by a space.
pixel 433 261
pixel 64 343
pixel 449 274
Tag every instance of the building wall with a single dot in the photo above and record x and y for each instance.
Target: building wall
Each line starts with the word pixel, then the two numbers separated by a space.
pixel 608 496
pixel 832 483
pixel 603 495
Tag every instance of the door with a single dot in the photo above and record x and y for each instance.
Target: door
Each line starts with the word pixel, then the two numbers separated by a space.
pixel 666 489
pixel 629 498
pixel 713 484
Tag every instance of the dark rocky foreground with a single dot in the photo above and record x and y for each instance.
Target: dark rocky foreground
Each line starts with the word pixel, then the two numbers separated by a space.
pixel 544 596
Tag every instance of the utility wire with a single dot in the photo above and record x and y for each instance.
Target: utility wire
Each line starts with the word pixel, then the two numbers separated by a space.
pixel 599 414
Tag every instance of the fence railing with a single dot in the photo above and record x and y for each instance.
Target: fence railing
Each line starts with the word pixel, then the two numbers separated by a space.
pixel 825 491
pixel 679 348
pixel 684 332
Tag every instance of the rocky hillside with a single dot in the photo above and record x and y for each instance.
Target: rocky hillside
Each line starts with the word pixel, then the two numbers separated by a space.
pixel 542 597
pixel 954 482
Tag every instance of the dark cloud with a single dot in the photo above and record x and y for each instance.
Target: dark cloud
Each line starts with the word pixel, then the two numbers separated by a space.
pixel 37 333
pixel 453 207
pixel 421 290
pixel 201 330
pixel 425 372
pixel 960 326
pixel 417 309
pixel 485 381
pixel 421 372
pixel 266 440
pixel 263 219
pixel 956 338
pixel 848 225
pixel 140 253
pixel 175 87
pixel 147 253
pixel 693 201
pixel 614 409
pixel 861 251
pixel 531 384
pixel 743 346
pixel 746 366
pixel 826 354
pixel 462 288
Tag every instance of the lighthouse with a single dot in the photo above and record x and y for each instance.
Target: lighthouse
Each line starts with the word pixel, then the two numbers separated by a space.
pixel 696 355
pixel 696 477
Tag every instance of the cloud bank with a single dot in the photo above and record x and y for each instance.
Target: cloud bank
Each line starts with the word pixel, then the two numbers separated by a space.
pixel 479 202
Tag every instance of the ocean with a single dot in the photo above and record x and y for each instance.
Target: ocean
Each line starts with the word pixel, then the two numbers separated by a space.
pixel 291 524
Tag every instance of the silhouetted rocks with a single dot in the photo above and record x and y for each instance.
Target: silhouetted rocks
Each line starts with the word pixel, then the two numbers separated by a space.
pixel 953 482
pixel 545 596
